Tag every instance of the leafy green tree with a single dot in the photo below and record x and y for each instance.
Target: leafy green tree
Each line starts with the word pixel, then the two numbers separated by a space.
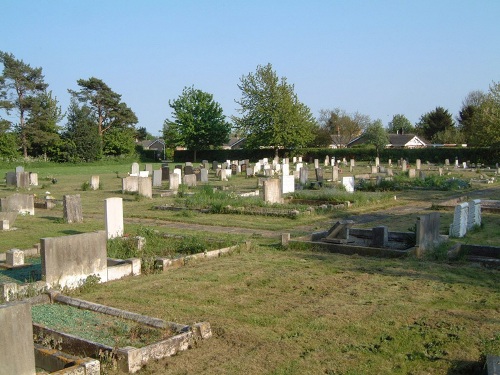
pixel 400 125
pixel 19 84
pixel 8 141
pixel 141 134
pixel 342 126
pixel 470 106
pixel 83 142
pixel 376 135
pixel 198 122
pixel 271 113
pixel 434 122
pixel 118 141
pixel 485 128
pixel 106 106
pixel 42 129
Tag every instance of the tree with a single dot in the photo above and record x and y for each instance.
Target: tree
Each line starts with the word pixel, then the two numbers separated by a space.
pixel 19 84
pixel 485 125
pixel 465 118
pixel 400 125
pixel 343 127
pixel 8 141
pixel 141 134
pixel 82 137
pixel 106 106
pixel 271 113
pixel 434 122
pixel 376 135
pixel 42 129
pixel 198 122
pixel 118 141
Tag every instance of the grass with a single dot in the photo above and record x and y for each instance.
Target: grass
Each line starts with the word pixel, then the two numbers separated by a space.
pixel 303 312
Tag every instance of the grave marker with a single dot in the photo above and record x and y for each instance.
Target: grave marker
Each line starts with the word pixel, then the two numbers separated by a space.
pixel 348 183
pixel 72 208
pixel 113 217
pixel 474 214
pixel 157 175
pixel 94 182
pixel 272 191
pixel 459 226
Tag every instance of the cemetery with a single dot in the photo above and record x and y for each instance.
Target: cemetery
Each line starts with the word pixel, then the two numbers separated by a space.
pixel 134 225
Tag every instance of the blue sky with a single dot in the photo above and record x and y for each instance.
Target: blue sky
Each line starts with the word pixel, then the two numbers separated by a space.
pixel 377 57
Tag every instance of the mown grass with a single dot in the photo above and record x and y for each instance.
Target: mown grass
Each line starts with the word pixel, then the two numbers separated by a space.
pixel 303 312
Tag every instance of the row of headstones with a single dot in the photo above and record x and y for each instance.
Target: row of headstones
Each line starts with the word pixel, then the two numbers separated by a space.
pixel 21 179
pixel 467 215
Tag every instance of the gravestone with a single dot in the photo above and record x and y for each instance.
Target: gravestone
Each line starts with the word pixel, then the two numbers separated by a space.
pixel 377 162
pixel 300 159
pixel 14 258
pixel 204 175
pixel 145 187
pixel 285 169
pixel 380 236
pixel 304 175
pixel 250 171
pixel 205 164
pixel 4 224
pixel 272 191
pixel 421 175
pixel 149 168
pixel 215 165
pixel 113 217
pixel 16 339
pixel 339 232
pixel 174 181
pixel 243 168
pixel 188 164
pixel 10 178
pixel 19 169
pixel 8 219
pixel 294 159
pixel 20 203
pixel 440 171
pixel 389 163
pixel 143 173
pixel 389 172
pixel 22 180
pixel 287 184
pixel 464 165
pixel 327 161
pixel 188 169
pixel 157 175
pixel 94 182
pixel 299 166
pixel 374 169
pixel 134 170
pixel 189 180
pixel 33 179
pixel 412 173
pixel 130 184
pixel 447 162
pixel 352 163
pixel 319 176
pixel 335 173
pixel 382 169
pixel 197 173
pixel 474 214
pixel 458 227
pixel 223 174
pixel 165 172
pixel 427 231
pixel 316 163
pixel 418 164
pixel 348 183
pixel 178 172
pixel 234 169
pixel 403 166
pixel 72 208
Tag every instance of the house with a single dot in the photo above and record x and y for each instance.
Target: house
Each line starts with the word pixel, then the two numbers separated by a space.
pixel 154 144
pixel 396 141
pixel 234 143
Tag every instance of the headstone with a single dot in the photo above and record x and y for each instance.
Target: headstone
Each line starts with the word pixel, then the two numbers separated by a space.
pixel 285 239
pixel 464 164
pixel 134 171
pixel 440 171
pixel 94 183
pixel 294 159
pixel 16 339
pixel 380 236
pixel 149 168
pixel 178 172
pixel 19 169
pixel 418 164
pixel 33 179
pixel 145 187
pixel 389 163
pixel 403 166
pixel 335 173
pixel 412 173
pixel 188 164
pixel 377 162
pixel 14 258
pixel 447 162
pixel 339 232
pixel 272 191
pixel 10 178
pixel 21 203
pixel 130 184
pixel 316 163
pixel 459 226
pixel 327 161
pixel 427 231
pixel 348 183
pixel 188 169
pixel 382 169
pixel 234 169
pixel 113 217
pixel 189 180
pixel 4 224
pixel 300 159
pixel 303 175
pixel 215 165
pixel 421 175
pixel 352 163
pixel 165 172
pixel 144 174
pixel 174 181
pixel 299 166
pixel 204 175
pixel 390 173
pixel 374 169
pixel 243 168
pixel 474 214
pixel 157 175
pixel 287 184
pixel 456 162
pixel 250 171
pixel 319 175
pixel 197 173
pixel 72 208
pixel 223 174
pixel 23 179
pixel 205 164
pixel 285 169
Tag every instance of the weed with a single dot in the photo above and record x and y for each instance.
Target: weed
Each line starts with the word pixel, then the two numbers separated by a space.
pixel 85 186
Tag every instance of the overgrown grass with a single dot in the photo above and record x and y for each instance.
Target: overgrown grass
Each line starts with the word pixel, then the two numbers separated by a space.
pixel 403 182
pixel 304 312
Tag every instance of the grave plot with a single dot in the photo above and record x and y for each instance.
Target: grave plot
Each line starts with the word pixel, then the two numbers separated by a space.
pixel 83 328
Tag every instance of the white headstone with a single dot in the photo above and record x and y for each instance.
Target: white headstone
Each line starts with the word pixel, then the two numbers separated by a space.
pixel 285 169
pixel 113 216
pixel 287 184
pixel 348 183
pixel 459 226
pixel 134 171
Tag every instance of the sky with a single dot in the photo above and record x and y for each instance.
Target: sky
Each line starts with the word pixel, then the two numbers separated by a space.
pixel 378 58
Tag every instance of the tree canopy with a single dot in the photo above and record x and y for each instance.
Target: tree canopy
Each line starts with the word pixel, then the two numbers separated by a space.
pixel 342 126
pixel 376 135
pixel 20 84
pixel 106 106
pixel 434 124
pixel 198 121
pixel 271 113
pixel 400 125
pixel 485 123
